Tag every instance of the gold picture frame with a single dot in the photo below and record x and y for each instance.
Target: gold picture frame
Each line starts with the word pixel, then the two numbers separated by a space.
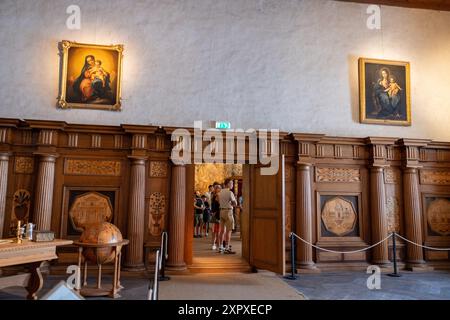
pixel 385 92
pixel 91 76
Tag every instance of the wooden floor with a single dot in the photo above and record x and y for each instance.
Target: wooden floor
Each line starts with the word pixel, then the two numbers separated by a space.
pixel 207 260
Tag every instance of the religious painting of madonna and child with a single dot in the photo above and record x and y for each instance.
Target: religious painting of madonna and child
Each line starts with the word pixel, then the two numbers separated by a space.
pixel 384 90
pixel 90 76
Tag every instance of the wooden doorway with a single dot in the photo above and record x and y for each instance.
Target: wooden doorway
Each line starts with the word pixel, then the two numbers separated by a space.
pixel 201 257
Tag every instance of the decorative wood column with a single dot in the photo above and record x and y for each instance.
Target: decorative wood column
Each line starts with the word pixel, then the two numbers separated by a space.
pixel 44 191
pixel 305 222
pixel 4 161
pixel 413 217
pixel 378 213
pixel 177 219
pixel 411 196
pixel 136 215
pixel 304 216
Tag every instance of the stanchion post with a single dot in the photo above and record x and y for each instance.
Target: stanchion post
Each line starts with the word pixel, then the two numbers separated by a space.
pixel 394 256
pixel 292 276
pixel 162 276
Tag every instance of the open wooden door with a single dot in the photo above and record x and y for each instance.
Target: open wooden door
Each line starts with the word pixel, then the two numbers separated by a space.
pixel 267 245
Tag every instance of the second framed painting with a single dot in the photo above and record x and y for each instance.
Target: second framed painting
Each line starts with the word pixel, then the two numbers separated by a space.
pixel 384 92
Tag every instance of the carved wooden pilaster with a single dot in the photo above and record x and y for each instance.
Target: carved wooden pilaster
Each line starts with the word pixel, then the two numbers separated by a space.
pixel 379 217
pixel 413 217
pixel 411 196
pixel 304 216
pixel 177 219
pixel 44 191
pixel 4 161
pixel 136 215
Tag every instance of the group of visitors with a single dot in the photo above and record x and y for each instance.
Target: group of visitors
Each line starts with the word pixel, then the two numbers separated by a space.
pixel 216 207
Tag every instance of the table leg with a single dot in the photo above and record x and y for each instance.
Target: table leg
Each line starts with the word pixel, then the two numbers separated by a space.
pixel 79 264
pixel 118 269
pixel 85 273
pixel 114 284
pixel 36 281
pixel 99 276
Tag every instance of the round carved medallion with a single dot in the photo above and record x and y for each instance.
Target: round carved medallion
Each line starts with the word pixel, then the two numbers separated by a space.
pixel 339 216
pixel 438 214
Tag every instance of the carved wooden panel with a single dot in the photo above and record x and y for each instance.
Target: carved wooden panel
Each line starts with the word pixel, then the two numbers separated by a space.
pixel 92 167
pixel 392 175
pixel 157 208
pixel 20 207
pixel 343 151
pixel 24 165
pixel 337 175
pixel 158 169
pixel 436 177
pixel 393 214
pixel 438 216
pixel 325 151
pixel 339 216
pixel 90 208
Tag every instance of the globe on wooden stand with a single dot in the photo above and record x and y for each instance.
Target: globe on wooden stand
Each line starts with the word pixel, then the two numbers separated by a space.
pixel 99 244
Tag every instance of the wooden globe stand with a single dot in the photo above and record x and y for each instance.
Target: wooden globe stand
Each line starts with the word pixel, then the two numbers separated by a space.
pixel 99 290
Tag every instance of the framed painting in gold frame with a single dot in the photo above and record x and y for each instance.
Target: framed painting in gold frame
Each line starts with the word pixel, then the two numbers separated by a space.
pixel 384 92
pixel 91 76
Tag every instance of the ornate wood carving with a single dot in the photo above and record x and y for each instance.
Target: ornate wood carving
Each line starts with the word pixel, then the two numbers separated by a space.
pixel 21 207
pixel 339 216
pixel 3 134
pixel 437 177
pixel 438 214
pixel 118 141
pixel 157 208
pixel 393 214
pixel 27 137
pixel 92 167
pixel 337 175
pixel 158 169
pixel 24 165
pixel 96 141
pixel 90 208
pixel 47 137
pixel 73 140
pixel 392 176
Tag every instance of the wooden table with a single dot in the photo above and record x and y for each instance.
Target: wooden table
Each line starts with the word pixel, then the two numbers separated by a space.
pixel 32 253
pixel 106 290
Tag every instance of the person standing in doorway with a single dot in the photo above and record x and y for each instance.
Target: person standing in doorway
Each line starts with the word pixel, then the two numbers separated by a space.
pixel 227 201
pixel 215 215
pixel 198 214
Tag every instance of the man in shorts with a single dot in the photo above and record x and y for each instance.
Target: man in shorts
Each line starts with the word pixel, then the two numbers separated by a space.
pixel 227 201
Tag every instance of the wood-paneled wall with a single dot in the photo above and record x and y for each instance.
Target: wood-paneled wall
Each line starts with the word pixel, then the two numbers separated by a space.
pixel 341 193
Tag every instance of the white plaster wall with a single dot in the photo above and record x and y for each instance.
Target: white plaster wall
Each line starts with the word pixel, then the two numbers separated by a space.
pixel 287 64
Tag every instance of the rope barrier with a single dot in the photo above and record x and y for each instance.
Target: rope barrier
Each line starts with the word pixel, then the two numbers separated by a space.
pixel 334 251
pixel 419 245
pixel 370 247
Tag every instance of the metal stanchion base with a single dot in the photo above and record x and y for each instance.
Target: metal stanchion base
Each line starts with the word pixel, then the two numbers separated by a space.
pixel 163 278
pixel 291 277
pixel 395 275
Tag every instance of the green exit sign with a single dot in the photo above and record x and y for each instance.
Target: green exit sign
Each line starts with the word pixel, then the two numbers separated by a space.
pixel 223 125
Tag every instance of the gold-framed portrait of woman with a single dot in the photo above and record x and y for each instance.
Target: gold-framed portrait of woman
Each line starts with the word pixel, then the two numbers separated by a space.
pixel 91 76
pixel 384 92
